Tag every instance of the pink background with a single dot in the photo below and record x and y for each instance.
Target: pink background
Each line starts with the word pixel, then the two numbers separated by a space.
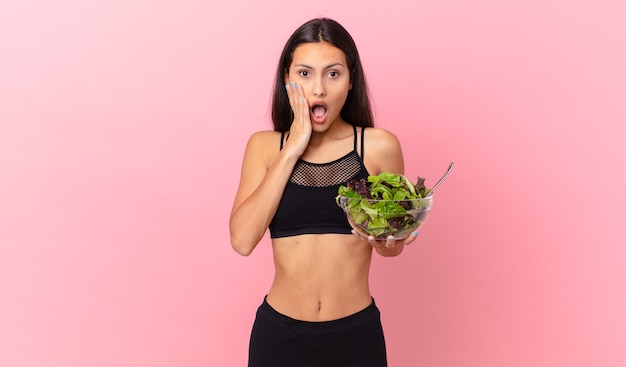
pixel 122 128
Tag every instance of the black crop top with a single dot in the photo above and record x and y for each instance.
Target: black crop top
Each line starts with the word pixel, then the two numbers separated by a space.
pixel 308 204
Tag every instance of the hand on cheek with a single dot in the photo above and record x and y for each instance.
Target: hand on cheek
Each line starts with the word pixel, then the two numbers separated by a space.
pixel 301 129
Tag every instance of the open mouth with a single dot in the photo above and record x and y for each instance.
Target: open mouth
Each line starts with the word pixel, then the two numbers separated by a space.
pixel 319 111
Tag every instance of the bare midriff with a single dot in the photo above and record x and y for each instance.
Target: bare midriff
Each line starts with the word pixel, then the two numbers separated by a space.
pixel 320 277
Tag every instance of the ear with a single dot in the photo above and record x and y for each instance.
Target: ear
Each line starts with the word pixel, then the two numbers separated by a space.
pixel 286 76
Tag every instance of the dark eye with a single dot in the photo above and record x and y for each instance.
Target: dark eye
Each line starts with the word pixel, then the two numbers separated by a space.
pixel 333 74
pixel 304 73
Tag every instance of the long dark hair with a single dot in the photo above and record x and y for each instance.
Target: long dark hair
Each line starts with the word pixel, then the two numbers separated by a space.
pixel 356 110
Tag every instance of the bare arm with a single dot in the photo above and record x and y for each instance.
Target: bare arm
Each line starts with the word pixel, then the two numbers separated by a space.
pixel 264 174
pixel 383 153
pixel 263 179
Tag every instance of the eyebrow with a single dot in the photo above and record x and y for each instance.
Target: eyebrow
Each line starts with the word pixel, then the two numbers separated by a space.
pixel 326 67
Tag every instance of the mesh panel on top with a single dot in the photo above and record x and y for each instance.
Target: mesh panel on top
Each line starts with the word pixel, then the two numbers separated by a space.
pixel 337 172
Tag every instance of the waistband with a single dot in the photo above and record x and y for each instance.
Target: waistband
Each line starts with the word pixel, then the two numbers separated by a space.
pixel 347 322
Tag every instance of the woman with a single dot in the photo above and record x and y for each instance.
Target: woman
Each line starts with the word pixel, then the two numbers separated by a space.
pixel 319 310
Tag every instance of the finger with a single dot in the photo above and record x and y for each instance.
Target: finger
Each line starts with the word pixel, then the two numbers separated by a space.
pixel 357 234
pixel 288 91
pixel 373 241
pixel 294 93
pixel 411 238
pixel 297 101
pixel 303 105
pixel 290 87
pixel 391 242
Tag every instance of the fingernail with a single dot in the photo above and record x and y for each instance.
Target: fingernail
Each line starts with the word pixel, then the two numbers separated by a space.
pixel 302 99
pixel 291 83
pixel 414 233
pixel 287 86
pixel 391 239
pixel 297 86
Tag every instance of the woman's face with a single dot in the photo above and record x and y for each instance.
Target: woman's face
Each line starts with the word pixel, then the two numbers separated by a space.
pixel 321 70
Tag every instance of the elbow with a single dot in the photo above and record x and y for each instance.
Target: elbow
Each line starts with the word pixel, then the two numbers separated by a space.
pixel 240 245
pixel 244 239
pixel 243 251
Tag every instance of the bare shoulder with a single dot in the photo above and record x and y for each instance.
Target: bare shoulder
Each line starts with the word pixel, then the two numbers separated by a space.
pixel 265 138
pixel 380 138
pixel 382 152
pixel 263 144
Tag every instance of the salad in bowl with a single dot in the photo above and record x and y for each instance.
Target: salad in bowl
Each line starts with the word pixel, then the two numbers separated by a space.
pixel 385 205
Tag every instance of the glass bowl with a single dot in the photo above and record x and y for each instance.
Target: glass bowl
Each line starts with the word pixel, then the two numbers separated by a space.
pixel 383 218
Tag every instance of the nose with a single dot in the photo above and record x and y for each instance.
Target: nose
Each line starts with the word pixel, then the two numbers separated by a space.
pixel 319 89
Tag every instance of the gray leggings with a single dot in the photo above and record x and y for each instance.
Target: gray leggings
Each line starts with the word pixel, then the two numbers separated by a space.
pixel 278 340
